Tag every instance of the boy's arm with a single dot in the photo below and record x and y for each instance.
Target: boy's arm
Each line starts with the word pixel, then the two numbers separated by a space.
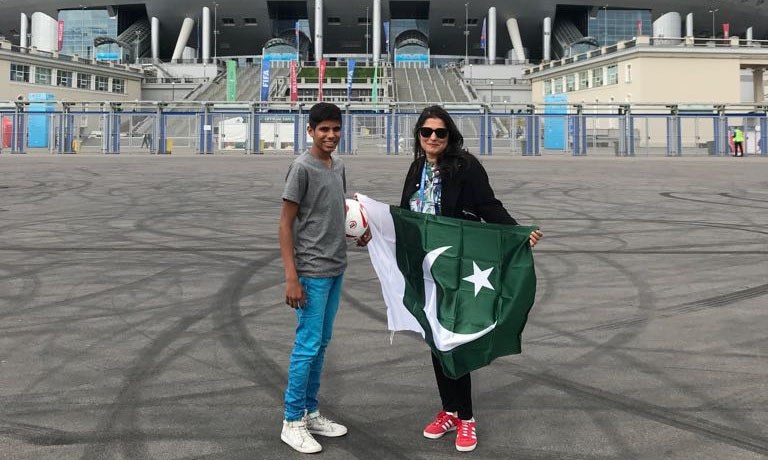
pixel 294 294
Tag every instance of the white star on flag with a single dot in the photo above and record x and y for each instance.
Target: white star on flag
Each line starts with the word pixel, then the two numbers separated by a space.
pixel 480 278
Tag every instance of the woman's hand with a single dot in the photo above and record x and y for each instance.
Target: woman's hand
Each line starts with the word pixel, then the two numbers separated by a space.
pixel 536 235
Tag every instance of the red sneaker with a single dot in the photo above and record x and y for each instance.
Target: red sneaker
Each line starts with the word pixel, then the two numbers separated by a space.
pixel 466 437
pixel 443 423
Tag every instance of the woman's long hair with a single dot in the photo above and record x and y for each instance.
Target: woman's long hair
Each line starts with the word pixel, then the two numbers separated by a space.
pixel 449 161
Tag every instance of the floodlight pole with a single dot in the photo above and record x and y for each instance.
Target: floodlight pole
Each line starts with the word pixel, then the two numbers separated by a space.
pixel 713 11
pixel 466 33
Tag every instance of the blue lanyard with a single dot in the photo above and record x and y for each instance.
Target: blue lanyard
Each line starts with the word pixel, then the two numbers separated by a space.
pixel 421 188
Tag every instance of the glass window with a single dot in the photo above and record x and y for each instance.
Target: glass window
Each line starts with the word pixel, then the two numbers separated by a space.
pixel 102 83
pixel 43 76
pixel 82 26
pixel 19 72
pixel 118 85
pixel 570 83
pixel 558 85
pixel 84 81
pixel 547 87
pixel 597 77
pixel 613 75
pixel 584 79
pixel 64 78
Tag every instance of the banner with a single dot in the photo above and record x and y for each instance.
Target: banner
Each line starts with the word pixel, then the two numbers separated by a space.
pixel 265 80
pixel 320 78
pixel 231 80
pixel 639 27
pixel 726 30
pixel 60 41
pixel 350 76
pixel 294 84
pixel 482 36
pixel 386 36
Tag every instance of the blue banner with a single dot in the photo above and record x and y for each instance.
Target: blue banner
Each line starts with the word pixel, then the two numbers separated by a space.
pixel 482 36
pixel 350 75
pixel 298 43
pixel 265 80
pixel 386 35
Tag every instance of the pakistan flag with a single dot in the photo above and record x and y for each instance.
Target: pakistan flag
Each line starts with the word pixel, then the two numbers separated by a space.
pixel 466 287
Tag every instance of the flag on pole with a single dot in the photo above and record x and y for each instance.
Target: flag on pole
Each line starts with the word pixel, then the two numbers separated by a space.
pixel 320 78
pixel 294 83
pixel 726 30
pixel 386 36
pixel 465 286
pixel 482 36
pixel 265 79
pixel 350 76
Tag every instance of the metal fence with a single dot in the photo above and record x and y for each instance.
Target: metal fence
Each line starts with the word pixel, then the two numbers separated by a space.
pixel 209 128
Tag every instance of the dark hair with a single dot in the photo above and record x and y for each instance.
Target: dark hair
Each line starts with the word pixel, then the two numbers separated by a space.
pixel 455 149
pixel 323 111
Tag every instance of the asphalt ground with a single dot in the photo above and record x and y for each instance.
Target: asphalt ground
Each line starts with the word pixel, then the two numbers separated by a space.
pixel 142 314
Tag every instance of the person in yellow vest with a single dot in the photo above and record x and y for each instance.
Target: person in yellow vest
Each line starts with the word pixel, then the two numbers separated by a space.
pixel 738 142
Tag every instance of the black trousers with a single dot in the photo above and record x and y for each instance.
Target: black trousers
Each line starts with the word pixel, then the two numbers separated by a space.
pixel 738 147
pixel 456 394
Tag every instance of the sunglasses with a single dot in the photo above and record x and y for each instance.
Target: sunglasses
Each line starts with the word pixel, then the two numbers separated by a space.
pixel 426 133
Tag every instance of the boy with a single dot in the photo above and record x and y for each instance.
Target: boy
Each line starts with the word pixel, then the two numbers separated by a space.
pixel 314 252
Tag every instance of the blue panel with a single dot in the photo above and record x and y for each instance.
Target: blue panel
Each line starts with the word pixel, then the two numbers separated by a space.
pixel 39 125
pixel 554 127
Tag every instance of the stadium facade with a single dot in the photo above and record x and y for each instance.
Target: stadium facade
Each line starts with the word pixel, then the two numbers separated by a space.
pixel 447 28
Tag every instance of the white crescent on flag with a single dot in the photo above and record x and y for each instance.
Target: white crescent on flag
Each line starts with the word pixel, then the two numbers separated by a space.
pixel 444 339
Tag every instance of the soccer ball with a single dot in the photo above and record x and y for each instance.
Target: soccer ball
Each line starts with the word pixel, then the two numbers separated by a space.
pixel 356 221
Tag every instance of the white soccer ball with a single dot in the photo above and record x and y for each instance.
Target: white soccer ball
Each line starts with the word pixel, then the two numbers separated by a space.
pixel 356 221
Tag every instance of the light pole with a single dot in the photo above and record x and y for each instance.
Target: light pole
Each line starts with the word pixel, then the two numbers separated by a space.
pixel 713 11
pixel 366 35
pixel 491 91
pixel 466 33
pixel 215 32
pixel 605 25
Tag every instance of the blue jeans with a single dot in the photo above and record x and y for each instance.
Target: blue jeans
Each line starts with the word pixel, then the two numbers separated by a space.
pixel 313 333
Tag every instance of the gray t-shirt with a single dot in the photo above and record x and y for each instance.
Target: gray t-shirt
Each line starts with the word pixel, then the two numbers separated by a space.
pixel 320 248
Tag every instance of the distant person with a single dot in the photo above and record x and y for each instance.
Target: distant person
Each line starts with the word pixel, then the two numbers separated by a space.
pixel 738 142
pixel 146 141
pixel 314 252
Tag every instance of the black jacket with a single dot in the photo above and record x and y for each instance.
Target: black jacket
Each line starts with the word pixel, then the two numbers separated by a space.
pixel 466 192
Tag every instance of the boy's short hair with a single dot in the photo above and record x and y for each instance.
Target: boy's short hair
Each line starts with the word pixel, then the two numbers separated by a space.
pixel 323 111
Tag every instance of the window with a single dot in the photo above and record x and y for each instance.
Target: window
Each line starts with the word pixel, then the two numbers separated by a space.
pixel 584 79
pixel 333 21
pixel 102 83
pixel 597 77
pixel 613 75
pixel 449 21
pixel 84 81
pixel 19 72
pixel 64 78
pixel 43 76
pixel 472 21
pixel 118 85
pixel 628 74
pixel 363 21
pixel 229 22
pixel 570 83
pixel 250 22
pixel 547 87
pixel 558 85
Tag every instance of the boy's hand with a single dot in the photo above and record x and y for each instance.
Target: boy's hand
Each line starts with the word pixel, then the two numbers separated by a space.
pixel 365 239
pixel 294 294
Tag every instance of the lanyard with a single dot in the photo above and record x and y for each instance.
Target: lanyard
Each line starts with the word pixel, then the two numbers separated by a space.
pixel 421 188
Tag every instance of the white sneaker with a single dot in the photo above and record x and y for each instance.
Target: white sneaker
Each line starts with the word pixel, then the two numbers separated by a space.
pixel 296 435
pixel 317 424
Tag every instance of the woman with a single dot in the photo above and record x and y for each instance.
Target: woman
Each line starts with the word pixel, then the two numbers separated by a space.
pixel 445 179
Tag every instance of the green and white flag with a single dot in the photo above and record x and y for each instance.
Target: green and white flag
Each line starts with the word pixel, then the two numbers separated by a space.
pixel 466 287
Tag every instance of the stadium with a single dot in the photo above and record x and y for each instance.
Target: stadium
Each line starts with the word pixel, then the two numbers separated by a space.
pixel 524 79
